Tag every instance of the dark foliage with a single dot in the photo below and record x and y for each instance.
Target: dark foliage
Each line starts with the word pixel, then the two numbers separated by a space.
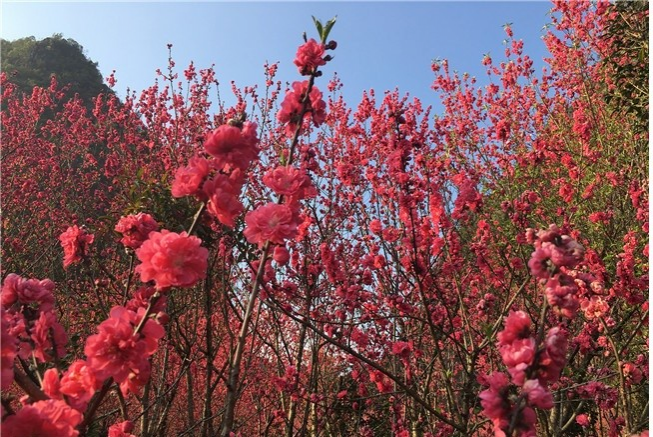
pixel 628 35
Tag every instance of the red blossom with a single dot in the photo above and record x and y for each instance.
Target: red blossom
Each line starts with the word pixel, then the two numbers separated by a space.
pixel 538 396
pixel 539 262
pixel 75 242
pixel 122 429
pixel 517 327
pixel 50 384
pixel 223 203
pixel 119 353
pixel 79 384
pixel 582 126
pixel 50 418
pixel 552 251
pixel 135 229
pixel 468 198
pixel 402 348
pixel 291 107
pixel 232 146
pixel 554 356
pixel 386 239
pixel 290 182
pixel 8 351
pixel 560 291
pixel 632 374
pixel 172 260
pixel 142 298
pixel 582 420
pixel 281 255
pixel 376 227
pixel 271 222
pixel 310 55
pixel 27 291
pixel 518 356
pixel 502 129
pixel 494 400
pixel 49 337
pixel 188 180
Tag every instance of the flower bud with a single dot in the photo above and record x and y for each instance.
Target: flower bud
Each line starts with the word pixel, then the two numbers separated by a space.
pixel 162 318
pixel 281 255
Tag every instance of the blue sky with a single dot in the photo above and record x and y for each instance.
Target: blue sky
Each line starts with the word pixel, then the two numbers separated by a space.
pixel 381 45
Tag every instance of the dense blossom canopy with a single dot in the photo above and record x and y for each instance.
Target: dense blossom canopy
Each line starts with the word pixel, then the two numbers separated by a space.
pixel 378 269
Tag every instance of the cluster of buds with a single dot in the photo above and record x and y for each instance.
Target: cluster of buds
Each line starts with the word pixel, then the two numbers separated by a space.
pixel 532 366
pixel 554 256
pixel 534 360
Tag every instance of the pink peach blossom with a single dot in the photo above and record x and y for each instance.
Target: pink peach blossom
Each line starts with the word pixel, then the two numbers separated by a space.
pixel 122 429
pixel 494 401
pixel 49 337
pixel 51 384
pixel 141 299
pixel 233 146
pixel 594 307
pixel 632 374
pixel 223 203
pixel 553 358
pixel 271 222
pixel 8 351
pixel 188 180
pixel 281 255
pixel 50 418
pixel 310 55
pixel 402 348
pixel 26 291
pixel 171 259
pixel 289 181
pixel 79 384
pixel 538 396
pixel 291 107
pixel 116 351
pixel 539 262
pixel 135 228
pixel 582 420
pixel 376 227
pixel 560 291
pixel 518 356
pixel 517 327
pixel 75 242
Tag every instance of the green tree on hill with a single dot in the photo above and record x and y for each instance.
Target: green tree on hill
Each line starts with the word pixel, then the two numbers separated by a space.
pixel 29 62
